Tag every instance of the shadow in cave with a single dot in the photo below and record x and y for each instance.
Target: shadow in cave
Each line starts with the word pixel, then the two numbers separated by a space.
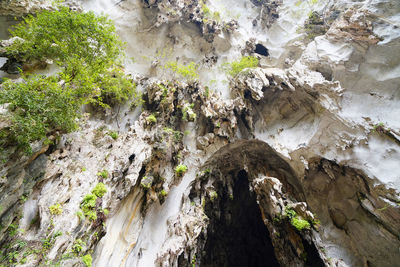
pixel 238 237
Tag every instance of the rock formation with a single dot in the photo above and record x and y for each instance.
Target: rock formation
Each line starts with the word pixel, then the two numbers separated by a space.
pixel 293 162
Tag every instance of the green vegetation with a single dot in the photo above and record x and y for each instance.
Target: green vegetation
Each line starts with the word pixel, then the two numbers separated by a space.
pixel 194 261
pixel 38 106
pixel 180 169
pixel 188 72
pixel 299 223
pixel 188 113
pixel 237 66
pixel 63 34
pixel 88 206
pixel 380 128
pixel 163 193
pixel 56 209
pixel 87 50
pixel 78 246
pixel 151 119
pixel 146 182
pixel 213 195
pixel 99 190
pixel 113 134
pixel 87 260
pixel 103 173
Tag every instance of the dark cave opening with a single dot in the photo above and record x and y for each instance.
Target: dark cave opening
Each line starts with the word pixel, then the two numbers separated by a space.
pixel 238 236
pixel 261 50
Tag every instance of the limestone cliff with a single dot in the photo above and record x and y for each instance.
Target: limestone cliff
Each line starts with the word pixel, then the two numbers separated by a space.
pixel 293 162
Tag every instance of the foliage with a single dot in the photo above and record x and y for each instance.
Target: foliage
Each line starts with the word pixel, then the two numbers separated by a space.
pixel 88 206
pixel 146 182
pixel 380 128
pixel 87 260
pixel 180 169
pixel 188 113
pixel 113 134
pixel 299 223
pixel 151 119
pixel 237 66
pixel 103 173
pixel 87 49
pixel 63 34
pixel 56 209
pixel 188 72
pixel 38 107
pixel 99 190
pixel 78 246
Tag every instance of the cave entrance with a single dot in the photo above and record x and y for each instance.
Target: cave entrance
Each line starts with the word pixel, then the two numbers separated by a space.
pixel 238 236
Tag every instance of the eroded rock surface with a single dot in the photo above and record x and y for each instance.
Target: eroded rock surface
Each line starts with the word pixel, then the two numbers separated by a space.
pixel 294 164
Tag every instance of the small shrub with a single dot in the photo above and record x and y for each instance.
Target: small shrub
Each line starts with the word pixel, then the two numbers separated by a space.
pixel 62 34
pixel 146 182
pixel 87 260
pixel 91 215
pixel 237 66
pixel 103 173
pixel 88 206
pixel 78 246
pixel 38 106
pixel 299 223
pixel 151 119
pixel 56 209
pixel 163 193
pixel 180 169
pixel 99 190
pixel 113 134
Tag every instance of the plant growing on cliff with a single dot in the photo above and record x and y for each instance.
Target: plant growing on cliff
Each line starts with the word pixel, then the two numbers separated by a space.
pixel 78 246
pixel 151 119
pixel 187 112
pixel 113 135
pixel 88 206
pixel 180 170
pixel 87 49
pixel 38 107
pixel 99 190
pixel 56 209
pixel 298 222
pixel 103 174
pixel 62 34
pixel 87 260
pixel 235 67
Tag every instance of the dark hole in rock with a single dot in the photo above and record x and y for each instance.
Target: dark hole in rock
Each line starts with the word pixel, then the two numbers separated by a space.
pixel 261 50
pixel 132 157
pixel 238 237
